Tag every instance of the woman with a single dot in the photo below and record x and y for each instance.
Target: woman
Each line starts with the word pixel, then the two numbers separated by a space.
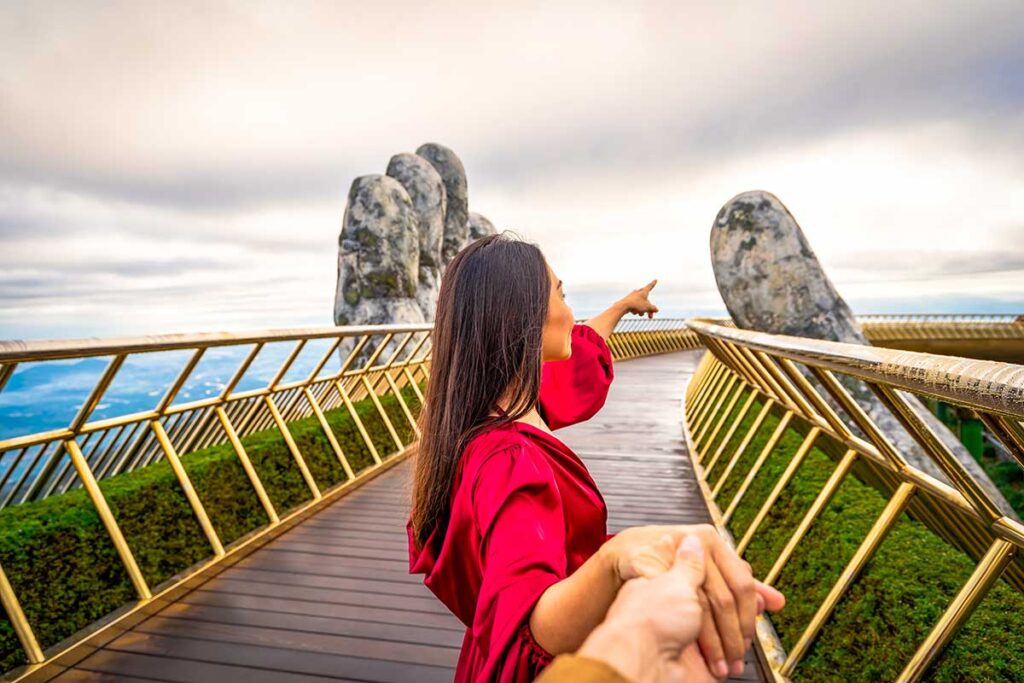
pixel 507 524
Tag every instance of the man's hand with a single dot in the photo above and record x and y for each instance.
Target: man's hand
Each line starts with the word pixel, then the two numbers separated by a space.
pixel 730 595
pixel 653 620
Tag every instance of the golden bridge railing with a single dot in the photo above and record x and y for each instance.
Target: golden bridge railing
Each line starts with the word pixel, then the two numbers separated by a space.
pixel 645 337
pixel 806 381
pixel 378 361
pixel 887 328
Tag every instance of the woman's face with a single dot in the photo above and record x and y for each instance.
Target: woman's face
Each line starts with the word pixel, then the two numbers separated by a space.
pixel 557 340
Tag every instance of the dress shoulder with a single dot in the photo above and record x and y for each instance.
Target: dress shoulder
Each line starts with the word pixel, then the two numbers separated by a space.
pixel 515 470
pixel 574 389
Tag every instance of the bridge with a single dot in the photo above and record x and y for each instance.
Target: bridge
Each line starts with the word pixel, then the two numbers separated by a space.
pixel 252 528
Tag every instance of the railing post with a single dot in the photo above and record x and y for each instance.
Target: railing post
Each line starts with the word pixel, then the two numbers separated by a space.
pixel 16 616
pixel 780 485
pixel 820 501
pixel 711 379
pixel 107 517
pixel 747 438
pixel 358 422
pixel 718 386
pixel 729 432
pixel 703 446
pixel 893 509
pixel 967 599
pixel 294 449
pixel 769 446
pixel 329 433
pixel 250 471
pixel 186 486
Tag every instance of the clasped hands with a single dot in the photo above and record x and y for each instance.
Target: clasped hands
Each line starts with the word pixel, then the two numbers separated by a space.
pixel 729 596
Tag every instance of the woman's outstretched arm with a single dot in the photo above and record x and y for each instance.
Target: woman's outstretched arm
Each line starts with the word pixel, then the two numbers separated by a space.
pixel 635 302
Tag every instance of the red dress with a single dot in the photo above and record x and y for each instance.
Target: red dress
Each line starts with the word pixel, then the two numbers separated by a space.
pixel 525 514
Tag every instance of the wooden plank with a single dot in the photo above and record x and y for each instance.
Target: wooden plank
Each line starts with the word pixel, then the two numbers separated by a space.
pixel 304 641
pixel 354 612
pixel 353 551
pixel 270 578
pixel 124 664
pixel 314 624
pixel 83 676
pixel 332 596
pixel 267 659
pixel 304 562
pixel 387 565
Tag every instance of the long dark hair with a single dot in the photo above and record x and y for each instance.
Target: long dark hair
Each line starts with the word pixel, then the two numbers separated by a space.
pixel 487 341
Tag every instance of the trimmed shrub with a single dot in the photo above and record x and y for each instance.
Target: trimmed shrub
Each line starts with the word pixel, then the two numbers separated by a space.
pixel 65 570
pixel 891 607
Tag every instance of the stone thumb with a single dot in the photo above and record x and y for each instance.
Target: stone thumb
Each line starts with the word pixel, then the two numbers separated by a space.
pixel 689 561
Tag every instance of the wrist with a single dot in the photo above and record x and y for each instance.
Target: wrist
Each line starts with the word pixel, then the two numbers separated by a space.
pixel 609 560
pixel 628 650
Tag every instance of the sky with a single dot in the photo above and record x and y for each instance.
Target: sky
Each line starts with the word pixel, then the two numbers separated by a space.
pixel 178 166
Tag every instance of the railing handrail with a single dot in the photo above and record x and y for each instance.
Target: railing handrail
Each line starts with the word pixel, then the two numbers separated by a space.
pixel 12 351
pixel 944 317
pixel 19 351
pixel 984 384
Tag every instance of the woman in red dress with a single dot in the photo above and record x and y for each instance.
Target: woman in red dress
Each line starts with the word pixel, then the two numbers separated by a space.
pixel 507 524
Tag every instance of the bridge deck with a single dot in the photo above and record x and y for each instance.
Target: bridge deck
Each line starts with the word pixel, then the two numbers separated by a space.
pixel 332 599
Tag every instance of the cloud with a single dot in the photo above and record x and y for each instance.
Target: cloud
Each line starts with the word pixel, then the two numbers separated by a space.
pixel 193 158
pixel 206 106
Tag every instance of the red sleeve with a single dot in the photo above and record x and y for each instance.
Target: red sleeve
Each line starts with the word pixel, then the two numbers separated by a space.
pixel 572 390
pixel 518 508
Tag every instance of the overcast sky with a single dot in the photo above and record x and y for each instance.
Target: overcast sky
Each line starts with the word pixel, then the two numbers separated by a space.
pixel 183 166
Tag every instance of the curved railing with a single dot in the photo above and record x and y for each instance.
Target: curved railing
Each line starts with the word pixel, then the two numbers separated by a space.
pixel 990 318
pixel 269 380
pixel 995 337
pixel 646 337
pixel 804 384
pixel 296 384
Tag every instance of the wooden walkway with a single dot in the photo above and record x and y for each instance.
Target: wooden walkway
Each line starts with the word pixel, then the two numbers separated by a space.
pixel 332 599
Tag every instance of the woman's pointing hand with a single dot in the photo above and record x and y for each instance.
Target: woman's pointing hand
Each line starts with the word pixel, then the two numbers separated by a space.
pixel 638 302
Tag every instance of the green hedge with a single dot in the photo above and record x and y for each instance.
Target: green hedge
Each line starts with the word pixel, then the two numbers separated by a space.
pixel 892 606
pixel 64 568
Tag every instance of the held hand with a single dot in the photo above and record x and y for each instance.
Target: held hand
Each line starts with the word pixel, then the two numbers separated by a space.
pixel 731 596
pixel 676 621
pixel 645 642
pixel 637 301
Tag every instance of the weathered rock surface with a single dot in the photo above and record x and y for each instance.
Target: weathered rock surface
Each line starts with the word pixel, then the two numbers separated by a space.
pixel 456 219
pixel 426 190
pixel 771 281
pixel 770 278
pixel 480 227
pixel 399 232
pixel 378 255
